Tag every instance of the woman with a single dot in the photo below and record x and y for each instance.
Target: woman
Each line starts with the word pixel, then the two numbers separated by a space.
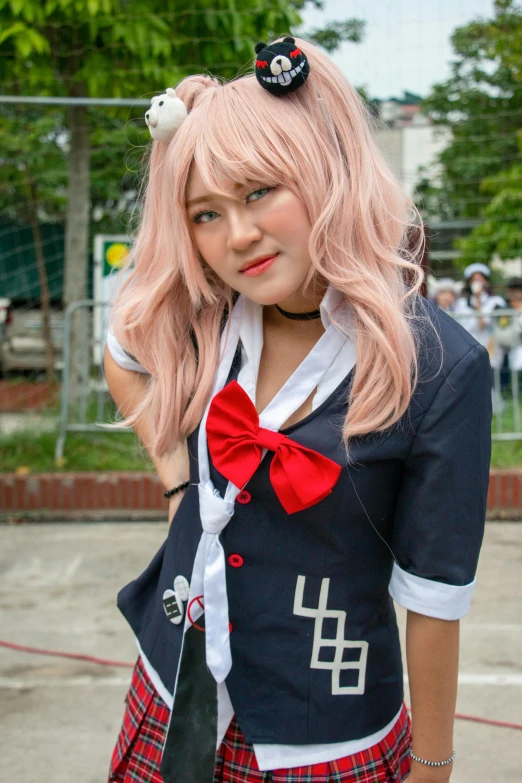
pixel 477 297
pixel 508 328
pixel 444 293
pixel 507 331
pixel 323 434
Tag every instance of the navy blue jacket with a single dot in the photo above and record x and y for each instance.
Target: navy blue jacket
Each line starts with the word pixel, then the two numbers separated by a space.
pixel 409 508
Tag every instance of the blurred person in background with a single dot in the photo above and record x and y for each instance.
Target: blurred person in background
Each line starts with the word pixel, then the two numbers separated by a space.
pixel 508 332
pixel 477 296
pixel 444 294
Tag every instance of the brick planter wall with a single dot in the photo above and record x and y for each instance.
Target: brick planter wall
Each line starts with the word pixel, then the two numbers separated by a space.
pixel 505 488
pixel 30 396
pixel 81 491
pixel 96 493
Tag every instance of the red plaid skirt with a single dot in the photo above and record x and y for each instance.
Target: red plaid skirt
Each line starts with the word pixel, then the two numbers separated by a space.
pixel 137 755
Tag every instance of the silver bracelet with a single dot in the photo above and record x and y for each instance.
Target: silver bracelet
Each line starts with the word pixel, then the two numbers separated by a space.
pixel 433 763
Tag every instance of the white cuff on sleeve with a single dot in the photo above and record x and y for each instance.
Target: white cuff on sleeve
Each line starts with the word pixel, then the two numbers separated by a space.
pixel 120 357
pixel 425 596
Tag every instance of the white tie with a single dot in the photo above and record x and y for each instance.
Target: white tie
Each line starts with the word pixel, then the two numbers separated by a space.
pixel 209 572
pixel 215 514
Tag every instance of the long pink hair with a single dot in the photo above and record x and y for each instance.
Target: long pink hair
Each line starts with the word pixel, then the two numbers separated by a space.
pixel 315 141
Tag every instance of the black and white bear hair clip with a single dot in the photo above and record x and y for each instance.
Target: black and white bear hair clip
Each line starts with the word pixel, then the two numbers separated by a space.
pixel 281 67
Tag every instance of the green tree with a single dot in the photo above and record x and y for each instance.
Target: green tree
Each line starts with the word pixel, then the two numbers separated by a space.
pixel 482 104
pixel 500 232
pixel 32 159
pixel 113 48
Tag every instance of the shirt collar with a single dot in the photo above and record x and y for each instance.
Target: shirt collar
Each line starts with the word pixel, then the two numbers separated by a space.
pixel 334 309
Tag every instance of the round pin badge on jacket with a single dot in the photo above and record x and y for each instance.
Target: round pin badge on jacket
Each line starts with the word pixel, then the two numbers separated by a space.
pixel 182 587
pixel 173 607
pixel 281 67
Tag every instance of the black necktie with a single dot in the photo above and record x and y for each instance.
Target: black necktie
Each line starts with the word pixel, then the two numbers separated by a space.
pixel 189 752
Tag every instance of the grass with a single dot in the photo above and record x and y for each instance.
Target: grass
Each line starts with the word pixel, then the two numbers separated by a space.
pixel 32 449
pixel 506 453
pixel 83 452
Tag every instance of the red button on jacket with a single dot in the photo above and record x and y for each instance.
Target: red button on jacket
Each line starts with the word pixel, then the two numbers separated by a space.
pixel 244 496
pixel 236 561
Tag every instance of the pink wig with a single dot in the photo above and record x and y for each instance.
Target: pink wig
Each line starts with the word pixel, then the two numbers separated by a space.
pixel 315 141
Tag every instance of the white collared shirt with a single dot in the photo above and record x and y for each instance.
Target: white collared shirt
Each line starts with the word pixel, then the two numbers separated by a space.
pixel 333 310
pixel 467 317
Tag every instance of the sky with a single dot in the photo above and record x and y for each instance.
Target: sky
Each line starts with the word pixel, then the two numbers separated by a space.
pixel 406 44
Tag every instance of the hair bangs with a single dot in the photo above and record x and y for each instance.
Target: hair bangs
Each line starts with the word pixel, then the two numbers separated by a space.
pixel 242 137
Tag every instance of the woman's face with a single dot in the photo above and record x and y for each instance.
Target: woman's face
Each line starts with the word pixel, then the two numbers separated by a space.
pixel 445 299
pixel 255 237
pixel 515 297
pixel 478 277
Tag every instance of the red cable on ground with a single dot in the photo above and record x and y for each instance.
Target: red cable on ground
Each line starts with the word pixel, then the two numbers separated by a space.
pixel 489 721
pixel 108 662
pixel 56 654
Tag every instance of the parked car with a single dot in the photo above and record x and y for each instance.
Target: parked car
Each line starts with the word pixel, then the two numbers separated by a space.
pixel 6 315
pixel 22 347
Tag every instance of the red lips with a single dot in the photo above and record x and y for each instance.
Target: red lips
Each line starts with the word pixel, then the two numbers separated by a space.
pixel 258 265
pixel 254 261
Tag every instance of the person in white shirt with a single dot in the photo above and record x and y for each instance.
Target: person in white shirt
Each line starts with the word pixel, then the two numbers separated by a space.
pixel 508 329
pixel 478 297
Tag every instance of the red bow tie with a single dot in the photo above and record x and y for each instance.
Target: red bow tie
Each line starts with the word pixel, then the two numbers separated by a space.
pixel 300 477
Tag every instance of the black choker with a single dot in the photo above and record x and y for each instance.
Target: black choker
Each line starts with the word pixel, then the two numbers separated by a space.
pixel 299 316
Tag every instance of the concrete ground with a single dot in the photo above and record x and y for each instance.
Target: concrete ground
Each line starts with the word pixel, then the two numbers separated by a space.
pixel 59 718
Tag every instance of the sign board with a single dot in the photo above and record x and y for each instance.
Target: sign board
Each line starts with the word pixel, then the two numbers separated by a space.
pixel 110 254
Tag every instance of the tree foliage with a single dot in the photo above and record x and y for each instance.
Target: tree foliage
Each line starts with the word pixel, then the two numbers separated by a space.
pixel 32 152
pixel 500 232
pixel 117 48
pixel 33 189
pixel 110 48
pixel 481 167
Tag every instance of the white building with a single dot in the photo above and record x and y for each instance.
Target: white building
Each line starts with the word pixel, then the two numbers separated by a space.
pixel 410 148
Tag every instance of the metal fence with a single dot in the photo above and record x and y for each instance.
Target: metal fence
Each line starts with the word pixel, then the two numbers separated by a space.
pixel 500 331
pixel 87 407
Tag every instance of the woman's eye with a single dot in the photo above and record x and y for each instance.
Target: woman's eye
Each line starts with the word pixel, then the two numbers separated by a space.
pixel 255 195
pixel 204 217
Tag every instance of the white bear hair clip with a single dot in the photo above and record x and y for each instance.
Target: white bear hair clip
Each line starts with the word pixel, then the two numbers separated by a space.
pixel 165 115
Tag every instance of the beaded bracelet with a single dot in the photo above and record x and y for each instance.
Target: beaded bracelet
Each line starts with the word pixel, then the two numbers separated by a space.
pixel 433 763
pixel 171 492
